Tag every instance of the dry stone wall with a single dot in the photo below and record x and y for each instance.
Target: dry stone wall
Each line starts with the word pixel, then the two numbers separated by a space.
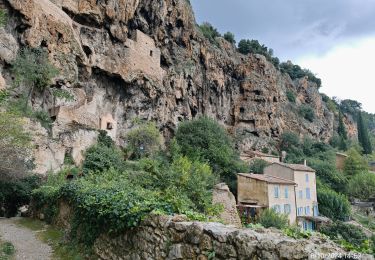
pixel 162 237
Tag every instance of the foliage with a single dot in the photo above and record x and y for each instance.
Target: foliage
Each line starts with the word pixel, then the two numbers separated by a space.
pixel 269 218
pixel 210 32
pixel 355 163
pixel 253 46
pixel 296 72
pixel 348 232
pixel 7 250
pixel 362 186
pixel 333 205
pixel 230 37
pixel 16 193
pixel 363 135
pixel 44 119
pixel 291 96
pixel 3 17
pixel 144 141
pixel 32 68
pixel 257 166
pixel 62 94
pixel 296 232
pixel 350 107
pixel 307 112
pixel 331 104
pixel 341 128
pixel 203 139
pixel 14 146
pixel 100 157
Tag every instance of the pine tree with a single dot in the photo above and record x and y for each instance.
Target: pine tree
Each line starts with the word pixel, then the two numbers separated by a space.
pixel 363 136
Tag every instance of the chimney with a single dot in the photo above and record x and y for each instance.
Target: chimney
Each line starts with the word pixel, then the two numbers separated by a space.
pixel 305 162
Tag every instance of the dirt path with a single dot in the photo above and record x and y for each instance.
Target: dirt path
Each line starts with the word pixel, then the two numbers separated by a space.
pixel 28 246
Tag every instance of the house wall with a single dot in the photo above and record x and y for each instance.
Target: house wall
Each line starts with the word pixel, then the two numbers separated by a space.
pixel 143 56
pixel 250 189
pixel 277 170
pixel 282 200
pixel 302 184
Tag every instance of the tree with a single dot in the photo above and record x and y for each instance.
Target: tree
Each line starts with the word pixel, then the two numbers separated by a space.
pixel 210 32
pixel 363 135
pixel 203 139
pixel 362 186
pixel 354 164
pixel 15 147
pixel 230 37
pixel 341 128
pixel 270 218
pixel 351 107
pixel 307 112
pixel 333 205
pixel 257 166
pixel 145 140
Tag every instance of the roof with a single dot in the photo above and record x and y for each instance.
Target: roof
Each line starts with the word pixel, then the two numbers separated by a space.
pixel 267 178
pixel 342 154
pixel 256 153
pixel 296 167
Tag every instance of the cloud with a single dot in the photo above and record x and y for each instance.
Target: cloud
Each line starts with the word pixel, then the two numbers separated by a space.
pixel 291 27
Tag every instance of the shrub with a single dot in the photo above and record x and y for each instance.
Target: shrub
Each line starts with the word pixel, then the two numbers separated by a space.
pixel 291 96
pixel 333 205
pixel 350 233
pixel 145 140
pixel 16 193
pixel 362 186
pixel 257 166
pixel 209 32
pixel 3 18
pixel 355 163
pixel 269 218
pixel 99 158
pixel 307 112
pixel 296 72
pixel 203 139
pixel 230 37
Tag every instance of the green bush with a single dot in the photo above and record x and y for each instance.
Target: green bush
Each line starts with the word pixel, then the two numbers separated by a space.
pixel 362 186
pixel 350 233
pixel 257 166
pixel 333 205
pixel 296 72
pixel 203 139
pixel 296 232
pixel 355 163
pixel 3 18
pixel 7 250
pixel 209 32
pixel 307 112
pixel 16 193
pixel 269 218
pixel 291 96
pixel 230 37
pixel 144 141
pixel 253 46
pixel 99 158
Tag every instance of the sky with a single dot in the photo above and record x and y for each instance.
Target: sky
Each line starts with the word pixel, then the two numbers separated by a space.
pixel 333 38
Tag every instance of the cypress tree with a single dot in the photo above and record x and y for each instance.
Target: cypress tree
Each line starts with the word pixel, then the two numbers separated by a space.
pixel 342 134
pixel 363 136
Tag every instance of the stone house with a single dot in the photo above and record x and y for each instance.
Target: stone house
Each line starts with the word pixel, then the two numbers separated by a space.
pixel 257 191
pixel 249 156
pixel 340 161
pixel 305 192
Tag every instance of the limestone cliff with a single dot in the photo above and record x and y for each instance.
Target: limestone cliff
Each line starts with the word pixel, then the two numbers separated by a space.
pixel 126 59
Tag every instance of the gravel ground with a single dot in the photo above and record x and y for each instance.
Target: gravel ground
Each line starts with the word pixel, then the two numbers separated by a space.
pixel 28 246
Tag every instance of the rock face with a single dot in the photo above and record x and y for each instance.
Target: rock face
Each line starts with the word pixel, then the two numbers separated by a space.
pixel 127 59
pixel 159 237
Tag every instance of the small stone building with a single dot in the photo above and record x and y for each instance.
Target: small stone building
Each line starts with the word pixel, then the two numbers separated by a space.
pixel 143 56
pixel 249 156
pixel 340 161
pixel 257 192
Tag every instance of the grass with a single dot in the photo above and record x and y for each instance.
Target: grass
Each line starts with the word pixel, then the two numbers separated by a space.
pixel 55 238
pixel 7 250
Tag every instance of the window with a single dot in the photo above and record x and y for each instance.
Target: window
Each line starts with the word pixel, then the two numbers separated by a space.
pixel 300 194
pixel 276 208
pixel 286 191
pixel 300 211
pixel 307 177
pixel 287 209
pixel 315 211
pixel 276 191
pixel 307 210
pixel 308 193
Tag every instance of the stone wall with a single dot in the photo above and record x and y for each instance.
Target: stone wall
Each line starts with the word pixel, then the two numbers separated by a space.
pixel 162 237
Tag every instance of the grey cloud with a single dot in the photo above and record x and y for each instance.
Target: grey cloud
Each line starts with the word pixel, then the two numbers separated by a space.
pixel 291 27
